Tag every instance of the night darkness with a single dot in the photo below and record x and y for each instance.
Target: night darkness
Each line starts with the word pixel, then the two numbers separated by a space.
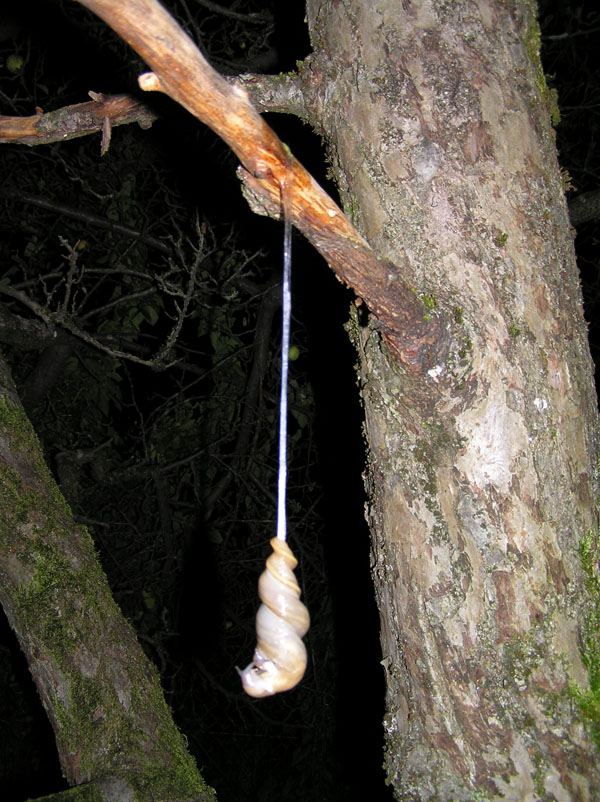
pixel 173 468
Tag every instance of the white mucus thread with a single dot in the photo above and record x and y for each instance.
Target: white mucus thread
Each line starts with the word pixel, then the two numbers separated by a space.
pixel 286 321
pixel 279 660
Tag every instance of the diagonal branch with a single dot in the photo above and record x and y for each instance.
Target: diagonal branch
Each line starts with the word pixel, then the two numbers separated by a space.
pixel 270 171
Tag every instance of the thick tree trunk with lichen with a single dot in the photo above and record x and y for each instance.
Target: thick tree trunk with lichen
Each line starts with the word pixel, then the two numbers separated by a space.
pixel 114 732
pixel 479 403
pixel 481 478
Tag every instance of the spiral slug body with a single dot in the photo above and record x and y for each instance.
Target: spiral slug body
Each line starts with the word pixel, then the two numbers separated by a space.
pixel 282 620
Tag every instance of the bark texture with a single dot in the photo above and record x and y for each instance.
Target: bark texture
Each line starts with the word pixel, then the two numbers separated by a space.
pixel 481 471
pixel 480 410
pixel 75 121
pixel 114 731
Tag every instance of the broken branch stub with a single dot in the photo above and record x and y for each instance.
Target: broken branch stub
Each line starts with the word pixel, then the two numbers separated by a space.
pixel 180 70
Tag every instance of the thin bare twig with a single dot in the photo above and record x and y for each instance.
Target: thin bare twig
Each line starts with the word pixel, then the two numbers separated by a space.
pixel 86 217
pixel 258 18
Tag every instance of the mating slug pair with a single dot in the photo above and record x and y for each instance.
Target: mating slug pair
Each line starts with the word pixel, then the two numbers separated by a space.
pixel 282 620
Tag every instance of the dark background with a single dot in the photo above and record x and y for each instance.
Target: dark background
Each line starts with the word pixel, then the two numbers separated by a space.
pixel 160 461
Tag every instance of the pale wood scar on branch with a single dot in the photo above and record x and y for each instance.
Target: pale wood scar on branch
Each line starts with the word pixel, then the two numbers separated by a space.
pixel 179 70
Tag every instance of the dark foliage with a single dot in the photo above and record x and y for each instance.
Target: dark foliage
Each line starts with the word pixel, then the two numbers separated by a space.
pixel 157 408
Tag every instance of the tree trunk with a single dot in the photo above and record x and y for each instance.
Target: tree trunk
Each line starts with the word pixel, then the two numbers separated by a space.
pixel 481 479
pixel 114 731
pixel 482 427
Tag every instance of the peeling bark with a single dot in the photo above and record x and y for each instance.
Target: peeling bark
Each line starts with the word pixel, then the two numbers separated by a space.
pixel 479 491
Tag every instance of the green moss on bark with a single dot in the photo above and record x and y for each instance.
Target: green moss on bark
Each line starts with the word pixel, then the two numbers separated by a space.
pixel 588 699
